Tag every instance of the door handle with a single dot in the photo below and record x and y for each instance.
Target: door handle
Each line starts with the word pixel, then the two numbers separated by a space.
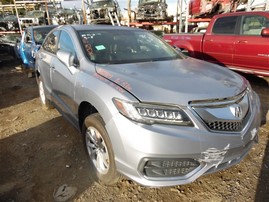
pixel 242 42
pixel 52 67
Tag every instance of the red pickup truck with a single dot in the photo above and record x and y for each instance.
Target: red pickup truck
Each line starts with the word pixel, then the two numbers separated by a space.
pixel 239 41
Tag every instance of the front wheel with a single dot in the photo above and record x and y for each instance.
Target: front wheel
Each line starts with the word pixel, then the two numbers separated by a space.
pixel 99 149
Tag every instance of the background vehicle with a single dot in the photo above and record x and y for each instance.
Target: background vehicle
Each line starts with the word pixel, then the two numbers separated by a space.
pixel 145 110
pixel 99 11
pixel 204 8
pixel 236 40
pixel 8 46
pixel 33 18
pixel 9 23
pixel 152 10
pixel 31 40
pixel 199 29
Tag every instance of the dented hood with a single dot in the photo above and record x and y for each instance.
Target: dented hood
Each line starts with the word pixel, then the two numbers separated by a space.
pixel 174 81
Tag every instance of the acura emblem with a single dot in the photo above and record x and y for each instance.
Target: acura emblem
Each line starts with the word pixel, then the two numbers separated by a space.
pixel 236 111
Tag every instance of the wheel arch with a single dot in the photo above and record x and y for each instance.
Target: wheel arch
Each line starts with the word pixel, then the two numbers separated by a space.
pixel 185 46
pixel 85 109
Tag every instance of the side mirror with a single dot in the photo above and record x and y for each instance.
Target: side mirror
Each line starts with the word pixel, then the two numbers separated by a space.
pixel 65 57
pixel 265 32
pixel 68 60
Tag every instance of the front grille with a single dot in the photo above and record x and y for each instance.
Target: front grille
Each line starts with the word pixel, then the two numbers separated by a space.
pixel 228 114
pixel 169 167
pixel 225 125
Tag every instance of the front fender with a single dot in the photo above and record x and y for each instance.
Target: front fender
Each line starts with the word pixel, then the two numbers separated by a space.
pixel 99 92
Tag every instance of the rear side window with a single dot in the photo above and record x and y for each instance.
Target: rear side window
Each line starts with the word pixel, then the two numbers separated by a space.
pixel 51 42
pixel 225 25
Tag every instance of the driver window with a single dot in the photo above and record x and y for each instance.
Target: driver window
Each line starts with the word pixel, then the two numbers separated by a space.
pixel 66 44
pixel 253 25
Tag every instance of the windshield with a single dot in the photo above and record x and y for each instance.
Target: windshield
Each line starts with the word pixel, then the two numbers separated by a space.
pixel 125 46
pixel 150 1
pixel 34 14
pixel 102 3
pixel 10 17
pixel 11 38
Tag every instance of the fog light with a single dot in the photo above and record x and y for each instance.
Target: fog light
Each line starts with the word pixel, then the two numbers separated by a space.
pixel 170 167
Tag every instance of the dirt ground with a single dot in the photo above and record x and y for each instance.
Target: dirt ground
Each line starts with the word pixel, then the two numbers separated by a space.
pixel 42 157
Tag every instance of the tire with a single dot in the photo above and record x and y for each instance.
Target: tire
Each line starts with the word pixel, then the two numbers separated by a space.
pixel 99 149
pixel 46 103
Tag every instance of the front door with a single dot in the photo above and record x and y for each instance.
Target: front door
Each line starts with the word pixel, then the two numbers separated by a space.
pixel 64 77
pixel 251 49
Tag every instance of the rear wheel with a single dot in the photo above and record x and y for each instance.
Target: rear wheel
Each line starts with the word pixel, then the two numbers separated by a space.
pixel 46 103
pixel 99 149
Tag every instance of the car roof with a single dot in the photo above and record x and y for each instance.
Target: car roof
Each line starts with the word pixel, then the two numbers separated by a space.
pixel 44 26
pixel 39 27
pixel 245 13
pixel 97 27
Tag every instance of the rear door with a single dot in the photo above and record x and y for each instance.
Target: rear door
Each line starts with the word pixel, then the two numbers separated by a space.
pixel 218 43
pixel 45 56
pixel 251 49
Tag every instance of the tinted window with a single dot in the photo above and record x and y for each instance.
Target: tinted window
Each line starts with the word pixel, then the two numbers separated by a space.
pixel 41 33
pixel 51 42
pixel 253 25
pixel 225 25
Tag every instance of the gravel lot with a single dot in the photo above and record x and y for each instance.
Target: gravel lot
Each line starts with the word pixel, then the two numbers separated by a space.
pixel 43 159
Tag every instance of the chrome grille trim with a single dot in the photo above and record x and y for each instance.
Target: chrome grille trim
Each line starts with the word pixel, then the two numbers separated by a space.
pixel 218 102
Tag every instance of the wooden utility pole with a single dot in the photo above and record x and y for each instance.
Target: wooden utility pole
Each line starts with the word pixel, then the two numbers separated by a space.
pixel 83 12
pixel 179 5
pixel 17 14
pixel 248 5
pixel 47 12
pixel 129 12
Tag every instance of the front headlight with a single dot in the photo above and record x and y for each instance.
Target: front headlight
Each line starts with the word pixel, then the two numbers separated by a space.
pixel 152 113
pixel 250 91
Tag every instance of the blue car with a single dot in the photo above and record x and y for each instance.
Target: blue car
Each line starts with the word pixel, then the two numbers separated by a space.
pixel 31 40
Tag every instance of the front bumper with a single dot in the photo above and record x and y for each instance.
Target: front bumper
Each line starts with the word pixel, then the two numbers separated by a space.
pixel 165 149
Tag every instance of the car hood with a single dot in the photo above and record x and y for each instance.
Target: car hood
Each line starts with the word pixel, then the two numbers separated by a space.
pixel 174 81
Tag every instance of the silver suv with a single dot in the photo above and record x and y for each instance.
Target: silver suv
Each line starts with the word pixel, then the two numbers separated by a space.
pixel 145 110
